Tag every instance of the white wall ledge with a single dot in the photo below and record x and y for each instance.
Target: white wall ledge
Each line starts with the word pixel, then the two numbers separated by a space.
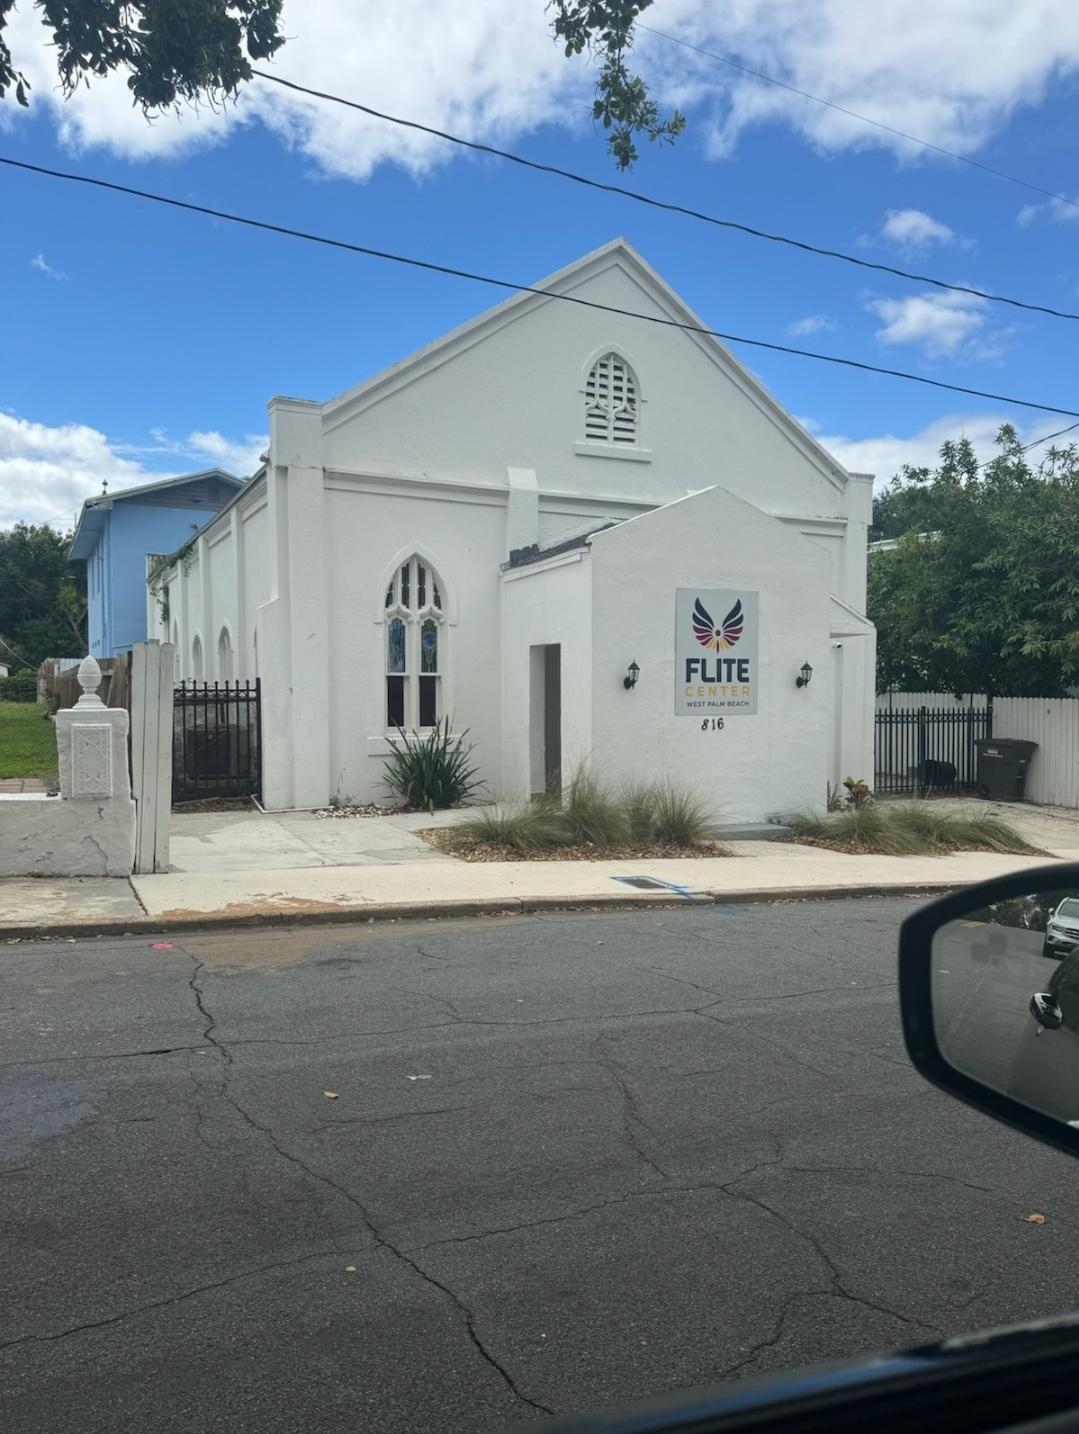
pixel 613 450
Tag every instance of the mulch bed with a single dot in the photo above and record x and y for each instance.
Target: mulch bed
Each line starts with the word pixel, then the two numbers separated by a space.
pixel 447 840
pixel 216 804
pixel 848 848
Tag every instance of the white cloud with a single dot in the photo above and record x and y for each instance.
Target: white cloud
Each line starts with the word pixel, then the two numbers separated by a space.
pixel 205 447
pixel 913 231
pixel 42 265
pixel 885 454
pixel 488 69
pixel 1060 211
pixel 942 324
pixel 237 456
pixel 47 471
pixel 950 71
pixel 811 324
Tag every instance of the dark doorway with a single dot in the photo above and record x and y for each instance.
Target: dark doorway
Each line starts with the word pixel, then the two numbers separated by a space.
pixel 552 718
pixel 545 719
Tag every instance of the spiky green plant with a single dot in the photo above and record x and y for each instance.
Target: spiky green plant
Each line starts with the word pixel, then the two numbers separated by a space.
pixel 434 771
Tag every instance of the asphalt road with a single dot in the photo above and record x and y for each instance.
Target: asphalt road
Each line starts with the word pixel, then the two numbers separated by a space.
pixel 570 1160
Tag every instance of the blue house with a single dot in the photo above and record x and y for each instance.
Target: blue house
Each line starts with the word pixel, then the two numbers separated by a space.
pixel 117 535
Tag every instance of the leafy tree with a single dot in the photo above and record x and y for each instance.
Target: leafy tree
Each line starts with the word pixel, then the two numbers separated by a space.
pixel 623 105
pixel 202 50
pixel 42 596
pixel 174 49
pixel 981 591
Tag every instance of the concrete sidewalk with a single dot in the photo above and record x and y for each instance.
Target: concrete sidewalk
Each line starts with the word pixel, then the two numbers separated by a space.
pixel 756 871
pixel 250 867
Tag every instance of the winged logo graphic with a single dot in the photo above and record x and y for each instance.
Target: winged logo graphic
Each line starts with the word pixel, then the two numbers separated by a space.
pixel 717 638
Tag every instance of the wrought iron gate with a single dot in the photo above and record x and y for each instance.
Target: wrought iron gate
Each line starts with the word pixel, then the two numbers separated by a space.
pixel 924 749
pixel 216 740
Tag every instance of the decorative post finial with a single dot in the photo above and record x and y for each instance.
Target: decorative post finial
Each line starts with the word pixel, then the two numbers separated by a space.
pixel 89 675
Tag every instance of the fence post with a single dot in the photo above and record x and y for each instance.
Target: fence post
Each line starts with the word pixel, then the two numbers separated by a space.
pixel 151 752
pixel 922 733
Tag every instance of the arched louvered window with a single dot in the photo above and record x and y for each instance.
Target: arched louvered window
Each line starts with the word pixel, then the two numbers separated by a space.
pixel 415 647
pixel 196 658
pixel 612 403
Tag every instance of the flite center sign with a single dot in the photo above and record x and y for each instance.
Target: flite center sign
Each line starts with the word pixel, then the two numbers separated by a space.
pixel 716 646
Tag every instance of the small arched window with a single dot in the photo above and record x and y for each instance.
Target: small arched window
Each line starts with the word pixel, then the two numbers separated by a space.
pixel 415 642
pixel 196 658
pixel 224 655
pixel 612 403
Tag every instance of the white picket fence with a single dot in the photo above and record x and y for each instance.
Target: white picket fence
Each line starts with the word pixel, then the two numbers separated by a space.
pixel 1052 722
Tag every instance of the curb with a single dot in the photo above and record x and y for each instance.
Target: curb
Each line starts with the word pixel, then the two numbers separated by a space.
pixel 470 907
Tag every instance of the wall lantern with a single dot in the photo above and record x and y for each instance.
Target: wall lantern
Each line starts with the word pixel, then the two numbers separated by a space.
pixel 806 674
pixel 630 679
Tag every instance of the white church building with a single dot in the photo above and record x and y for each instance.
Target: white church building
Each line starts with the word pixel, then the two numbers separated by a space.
pixel 578 535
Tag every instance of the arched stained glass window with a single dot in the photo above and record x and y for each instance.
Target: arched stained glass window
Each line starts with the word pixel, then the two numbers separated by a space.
pixel 415 634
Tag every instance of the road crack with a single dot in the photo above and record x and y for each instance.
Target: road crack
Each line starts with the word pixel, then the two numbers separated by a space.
pixel 381 1241
pixel 171 1299
pixel 838 1288
pixel 633 1121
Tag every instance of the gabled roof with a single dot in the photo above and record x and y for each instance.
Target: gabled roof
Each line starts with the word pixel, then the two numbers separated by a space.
pixel 616 253
pixel 92 518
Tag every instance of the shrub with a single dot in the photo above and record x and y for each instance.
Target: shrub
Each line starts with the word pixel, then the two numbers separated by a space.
pixel 21 686
pixel 910 829
pixel 527 827
pixel 859 793
pixel 591 814
pixel 432 772
pixel 680 817
pixel 638 802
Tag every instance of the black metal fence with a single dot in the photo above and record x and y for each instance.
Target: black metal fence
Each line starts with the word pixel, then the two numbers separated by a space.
pixel 216 740
pixel 926 749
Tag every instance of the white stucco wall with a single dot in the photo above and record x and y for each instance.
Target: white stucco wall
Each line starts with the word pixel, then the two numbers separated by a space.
pixel 471 448
pixel 368 533
pixel 517 398
pixel 545 603
pixel 89 830
pixel 760 764
pixel 48 836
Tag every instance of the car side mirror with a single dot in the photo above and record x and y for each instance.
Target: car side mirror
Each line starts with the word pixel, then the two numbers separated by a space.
pixel 989 991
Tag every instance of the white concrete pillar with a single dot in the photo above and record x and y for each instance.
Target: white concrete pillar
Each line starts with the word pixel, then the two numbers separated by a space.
pixel 522 509
pixel 241 642
pixel 299 542
pixel 91 741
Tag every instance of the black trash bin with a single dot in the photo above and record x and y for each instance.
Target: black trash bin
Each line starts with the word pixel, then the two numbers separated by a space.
pixel 1002 767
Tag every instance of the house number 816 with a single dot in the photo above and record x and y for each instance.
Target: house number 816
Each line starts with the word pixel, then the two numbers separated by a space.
pixel 712 724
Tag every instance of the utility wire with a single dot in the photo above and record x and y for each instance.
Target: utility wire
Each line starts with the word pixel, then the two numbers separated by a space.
pixel 16 655
pixel 431 267
pixel 671 207
pixel 1035 443
pixel 853 114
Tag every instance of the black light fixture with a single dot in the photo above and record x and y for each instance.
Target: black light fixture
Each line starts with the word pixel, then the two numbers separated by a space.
pixel 806 674
pixel 630 679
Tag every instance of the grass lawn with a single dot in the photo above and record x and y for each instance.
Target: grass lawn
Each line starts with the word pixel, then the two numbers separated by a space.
pixel 27 741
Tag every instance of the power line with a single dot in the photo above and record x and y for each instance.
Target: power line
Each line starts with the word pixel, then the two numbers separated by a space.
pixel 16 655
pixel 431 267
pixel 1037 442
pixel 671 207
pixel 853 114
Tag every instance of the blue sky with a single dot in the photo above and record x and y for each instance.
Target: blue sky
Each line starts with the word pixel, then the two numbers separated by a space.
pixel 139 340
